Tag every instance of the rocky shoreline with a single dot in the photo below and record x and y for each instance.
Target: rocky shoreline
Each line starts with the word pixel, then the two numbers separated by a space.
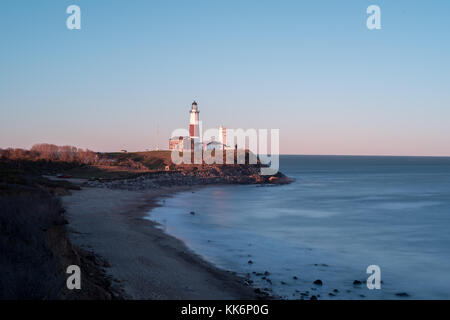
pixel 208 176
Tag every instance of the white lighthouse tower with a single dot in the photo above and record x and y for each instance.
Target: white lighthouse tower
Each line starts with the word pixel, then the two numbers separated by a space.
pixel 194 132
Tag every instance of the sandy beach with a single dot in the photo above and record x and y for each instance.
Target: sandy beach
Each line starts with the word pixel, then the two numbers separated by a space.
pixel 145 261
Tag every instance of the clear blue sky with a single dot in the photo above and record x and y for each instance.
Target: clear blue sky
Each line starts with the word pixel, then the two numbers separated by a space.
pixel 310 68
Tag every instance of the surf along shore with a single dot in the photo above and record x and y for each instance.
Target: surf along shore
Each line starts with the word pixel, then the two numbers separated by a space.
pixel 106 217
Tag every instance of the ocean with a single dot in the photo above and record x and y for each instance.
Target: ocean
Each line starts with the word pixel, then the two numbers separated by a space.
pixel 341 215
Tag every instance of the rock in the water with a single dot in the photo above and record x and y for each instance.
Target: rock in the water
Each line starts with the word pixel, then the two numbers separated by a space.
pixel 402 294
pixel 192 212
pixel 357 282
pixel 250 262
pixel 248 282
pixel 273 179
pixel 313 298
pixel 318 282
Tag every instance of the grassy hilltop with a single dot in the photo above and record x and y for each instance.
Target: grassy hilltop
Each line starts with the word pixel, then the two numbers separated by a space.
pixel 46 159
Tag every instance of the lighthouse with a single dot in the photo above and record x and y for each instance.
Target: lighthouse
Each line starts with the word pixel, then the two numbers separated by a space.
pixel 193 123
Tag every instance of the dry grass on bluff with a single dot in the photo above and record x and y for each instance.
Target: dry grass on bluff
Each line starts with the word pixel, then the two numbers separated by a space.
pixel 148 160
pixel 104 166
pixel 116 165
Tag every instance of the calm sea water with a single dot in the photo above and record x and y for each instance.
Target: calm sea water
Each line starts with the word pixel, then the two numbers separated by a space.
pixel 341 215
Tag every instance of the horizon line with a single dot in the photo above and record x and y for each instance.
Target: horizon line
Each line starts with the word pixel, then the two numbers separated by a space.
pixel 281 154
